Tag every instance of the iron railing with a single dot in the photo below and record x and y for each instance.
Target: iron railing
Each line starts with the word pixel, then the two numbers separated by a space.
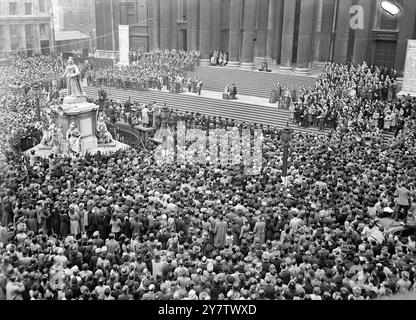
pixel 24 143
pixel 127 137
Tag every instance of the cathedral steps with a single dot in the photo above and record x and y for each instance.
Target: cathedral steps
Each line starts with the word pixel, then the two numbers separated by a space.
pixel 250 83
pixel 242 112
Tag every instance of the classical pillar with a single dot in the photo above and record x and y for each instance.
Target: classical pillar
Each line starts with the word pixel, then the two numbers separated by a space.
pixel 51 37
pixel 406 25
pixel 234 34
pixel 323 37
pixel 249 23
pixel 113 26
pixel 174 26
pixel 165 24
pixel 36 39
pixel 7 38
pixel 271 23
pixel 288 30
pixel 342 31
pixel 205 31
pixel 304 54
pixel 262 24
pixel 277 37
pixel 215 24
pixel 22 37
pixel 154 24
pixel 318 29
pixel 362 42
pixel 192 28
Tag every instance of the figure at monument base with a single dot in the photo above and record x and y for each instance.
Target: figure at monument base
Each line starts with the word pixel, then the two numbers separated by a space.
pixel 73 135
pixel 103 135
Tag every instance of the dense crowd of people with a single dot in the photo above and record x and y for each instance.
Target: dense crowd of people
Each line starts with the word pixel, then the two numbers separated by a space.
pixel 18 119
pixel 154 69
pixel 24 71
pixel 361 95
pixel 123 227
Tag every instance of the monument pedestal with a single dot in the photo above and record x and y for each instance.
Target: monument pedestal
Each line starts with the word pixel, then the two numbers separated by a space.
pixel 84 115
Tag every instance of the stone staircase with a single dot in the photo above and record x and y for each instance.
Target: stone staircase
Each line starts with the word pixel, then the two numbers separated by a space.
pixel 250 83
pixel 226 109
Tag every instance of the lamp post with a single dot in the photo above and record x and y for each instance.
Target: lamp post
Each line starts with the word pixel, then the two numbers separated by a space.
pixel 285 137
pixel 165 116
pixel 37 91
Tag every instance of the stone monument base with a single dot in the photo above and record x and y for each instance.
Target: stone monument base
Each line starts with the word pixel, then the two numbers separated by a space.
pixel 84 114
pixel 108 148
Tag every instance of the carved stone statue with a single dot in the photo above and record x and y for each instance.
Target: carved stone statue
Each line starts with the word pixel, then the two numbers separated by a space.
pixel 73 83
pixel 73 135
pixel 48 136
pixel 57 141
pixel 103 135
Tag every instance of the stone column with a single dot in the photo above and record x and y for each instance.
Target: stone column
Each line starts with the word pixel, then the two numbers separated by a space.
pixel 262 24
pixel 36 39
pixel 362 42
pixel 318 29
pixel 114 27
pixel 342 31
pixel 165 24
pixel 153 24
pixel 22 44
pixel 215 24
pixel 288 30
pixel 304 54
pixel 249 22
pixel 277 38
pixel 327 18
pixel 406 25
pixel 7 37
pixel 156 24
pixel 271 23
pixel 174 26
pixel 192 28
pixel 205 31
pixel 51 37
pixel 235 33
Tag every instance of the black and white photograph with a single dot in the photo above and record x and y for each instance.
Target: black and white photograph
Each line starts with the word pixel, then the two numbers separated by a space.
pixel 228 152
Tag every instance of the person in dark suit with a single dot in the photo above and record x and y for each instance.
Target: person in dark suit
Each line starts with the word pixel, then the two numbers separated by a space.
pixel 233 91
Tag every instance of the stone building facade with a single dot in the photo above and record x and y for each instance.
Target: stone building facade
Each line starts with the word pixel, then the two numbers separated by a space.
pixel 75 15
pixel 26 26
pixel 294 34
